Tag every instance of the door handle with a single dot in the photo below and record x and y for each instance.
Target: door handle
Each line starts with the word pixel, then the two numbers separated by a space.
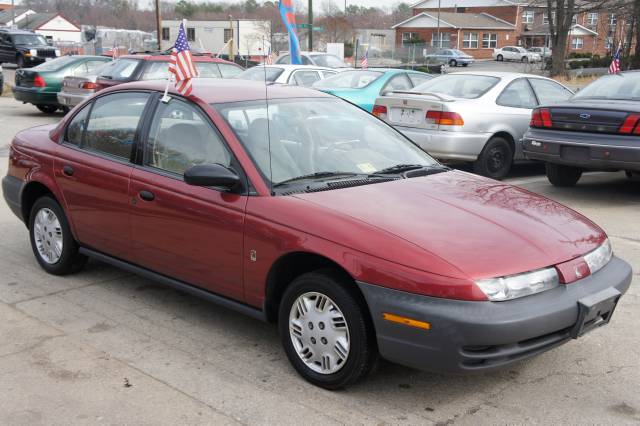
pixel 147 195
pixel 68 170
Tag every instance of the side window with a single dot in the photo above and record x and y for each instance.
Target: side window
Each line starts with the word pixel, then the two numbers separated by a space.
pixel 418 79
pixel 76 127
pixel 306 60
pixel 304 78
pixel 181 137
pixel 94 65
pixel 549 92
pixel 284 60
pixel 399 82
pixel 113 123
pixel 326 73
pixel 517 94
pixel 229 71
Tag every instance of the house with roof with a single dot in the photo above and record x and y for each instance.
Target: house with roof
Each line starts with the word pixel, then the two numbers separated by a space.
pixel 7 16
pixel 53 26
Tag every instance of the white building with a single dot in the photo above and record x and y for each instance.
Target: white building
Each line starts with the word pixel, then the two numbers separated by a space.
pixel 7 16
pixel 52 26
pixel 250 37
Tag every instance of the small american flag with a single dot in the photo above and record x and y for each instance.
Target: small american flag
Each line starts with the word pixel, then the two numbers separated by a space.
pixel 269 59
pixel 614 68
pixel 364 63
pixel 181 63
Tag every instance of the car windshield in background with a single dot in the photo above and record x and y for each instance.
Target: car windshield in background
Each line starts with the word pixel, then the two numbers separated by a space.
pixel 315 135
pixel 56 64
pixel 329 61
pixel 349 80
pixel 259 73
pixel 624 86
pixel 29 40
pixel 159 70
pixel 121 69
pixel 465 86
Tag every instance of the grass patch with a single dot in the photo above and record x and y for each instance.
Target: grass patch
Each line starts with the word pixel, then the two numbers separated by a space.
pixel 6 90
pixel 575 81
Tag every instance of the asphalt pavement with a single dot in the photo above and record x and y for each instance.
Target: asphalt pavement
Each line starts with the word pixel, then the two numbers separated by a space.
pixel 104 346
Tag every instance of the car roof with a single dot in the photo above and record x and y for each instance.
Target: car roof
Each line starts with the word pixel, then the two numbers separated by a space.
pixel 383 70
pixel 165 58
pixel 12 31
pixel 218 90
pixel 500 74
pixel 292 67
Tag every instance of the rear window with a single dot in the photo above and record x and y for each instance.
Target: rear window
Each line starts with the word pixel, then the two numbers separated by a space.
pixel 56 64
pixel 159 70
pixel 229 71
pixel 349 80
pixel 121 69
pixel 613 87
pixel 464 86
pixel 258 74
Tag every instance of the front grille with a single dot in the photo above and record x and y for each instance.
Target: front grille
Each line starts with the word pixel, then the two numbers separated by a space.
pixel 46 53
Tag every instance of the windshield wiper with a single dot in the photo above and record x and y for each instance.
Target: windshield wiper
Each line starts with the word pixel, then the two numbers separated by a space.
pixel 401 168
pixel 316 175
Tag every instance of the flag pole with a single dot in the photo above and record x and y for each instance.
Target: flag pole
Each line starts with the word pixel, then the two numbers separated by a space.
pixel 166 98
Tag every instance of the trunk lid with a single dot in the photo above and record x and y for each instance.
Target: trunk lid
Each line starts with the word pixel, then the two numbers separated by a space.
pixel 587 119
pixel 25 77
pixel 410 109
pixel 73 85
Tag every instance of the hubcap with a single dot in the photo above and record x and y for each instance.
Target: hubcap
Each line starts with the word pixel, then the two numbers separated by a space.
pixel 496 160
pixel 319 333
pixel 47 234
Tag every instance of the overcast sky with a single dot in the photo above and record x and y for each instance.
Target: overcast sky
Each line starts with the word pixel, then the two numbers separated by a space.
pixel 317 3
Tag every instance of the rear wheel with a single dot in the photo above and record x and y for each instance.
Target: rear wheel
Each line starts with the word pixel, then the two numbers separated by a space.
pixel 53 245
pixel 495 160
pixel 326 330
pixel 47 109
pixel 453 63
pixel 560 175
pixel 525 59
pixel 500 58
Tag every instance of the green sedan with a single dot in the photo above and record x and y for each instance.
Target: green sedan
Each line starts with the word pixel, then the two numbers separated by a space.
pixel 39 85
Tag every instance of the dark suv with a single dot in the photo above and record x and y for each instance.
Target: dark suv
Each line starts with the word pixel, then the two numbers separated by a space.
pixel 25 48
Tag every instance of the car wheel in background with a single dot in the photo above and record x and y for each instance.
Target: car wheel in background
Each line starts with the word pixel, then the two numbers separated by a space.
pixel 464 65
pixel 525 59
pixel 500 58
pixel 20 61
pixel 453 63
pixel 495 160
pixel 326 329
pixel 47 109
pixel 51 240
pixel 560 175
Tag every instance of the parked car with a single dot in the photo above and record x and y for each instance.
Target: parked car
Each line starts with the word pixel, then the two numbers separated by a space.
pixel 452 57
pixel 597 129
pixel 515 53
pixel 40 85
pixel 77 88
pixel 319 59
pixel 156 66
pixel 297 75
pixel 478 117
pixel 362 86
pixel 544 52
pixel 24 48
pixel 310 212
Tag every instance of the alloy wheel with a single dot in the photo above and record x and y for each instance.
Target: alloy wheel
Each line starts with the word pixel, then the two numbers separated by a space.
pixel 496 159
pixel 47 234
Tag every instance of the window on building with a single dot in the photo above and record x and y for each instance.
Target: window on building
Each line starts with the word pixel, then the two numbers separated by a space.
pixel 443 41
pixel 470 41
pixel 613 20
pixel 574 19
pixel 166 33
pixel 577 43
pixel 228 35
pixel 527 16
pixel 408 37
pixel 489 40
pixel 592 19
pixel 545 17
pixel 608 43
pixel 191 34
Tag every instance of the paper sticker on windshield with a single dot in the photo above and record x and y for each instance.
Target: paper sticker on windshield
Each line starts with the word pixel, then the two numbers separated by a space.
pixel 366 167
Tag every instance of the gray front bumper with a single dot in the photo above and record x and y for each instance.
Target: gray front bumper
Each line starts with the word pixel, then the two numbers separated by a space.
pixel 467 336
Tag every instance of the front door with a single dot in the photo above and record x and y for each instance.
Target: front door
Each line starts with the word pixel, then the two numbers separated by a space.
pixel 193 234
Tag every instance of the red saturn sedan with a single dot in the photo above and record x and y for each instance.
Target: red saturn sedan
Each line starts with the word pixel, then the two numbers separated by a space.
pixel 309 212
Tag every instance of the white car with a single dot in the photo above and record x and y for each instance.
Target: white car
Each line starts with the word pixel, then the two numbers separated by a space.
pixel 297 75
pixel 320 59
pixel 515 53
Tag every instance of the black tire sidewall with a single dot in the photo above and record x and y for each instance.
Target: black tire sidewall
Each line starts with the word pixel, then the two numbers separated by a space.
pixel 500 58
pixel 362 349
pixel 481 164
pixel 453 63
pixel 562 176
pixel 47 109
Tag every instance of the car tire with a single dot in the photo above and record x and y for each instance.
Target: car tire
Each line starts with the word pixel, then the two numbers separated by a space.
pixel 65 110
pixel 500 58
pixel 47 109
pixel 525 59
pixel 20 61
pixel 563 176
pixel 495 160
pixel 453 63
pixel 52 243
pixel 465 65
pixel 304 337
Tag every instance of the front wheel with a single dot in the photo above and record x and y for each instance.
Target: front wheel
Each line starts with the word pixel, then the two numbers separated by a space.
pixel 495 160
pixel 500 58
pixel 47 109
pixel 326 330
pixel 560 175
pixel 453 63
pixel 51 240
pixel 525 59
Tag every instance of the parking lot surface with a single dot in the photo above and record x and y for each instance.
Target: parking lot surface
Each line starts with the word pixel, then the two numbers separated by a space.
pixel 104 346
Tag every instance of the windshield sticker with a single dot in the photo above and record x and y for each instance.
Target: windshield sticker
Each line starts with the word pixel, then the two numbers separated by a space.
pixel 366 167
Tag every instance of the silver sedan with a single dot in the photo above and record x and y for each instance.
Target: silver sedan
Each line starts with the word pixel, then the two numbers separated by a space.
pixel 477 117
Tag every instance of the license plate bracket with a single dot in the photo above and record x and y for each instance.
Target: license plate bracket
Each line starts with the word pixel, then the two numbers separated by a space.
pixel 595 310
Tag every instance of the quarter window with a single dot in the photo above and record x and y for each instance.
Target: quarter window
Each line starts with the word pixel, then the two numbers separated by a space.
pixel 470 41
pixel 489 40
pixel 76 127
pixel 181 137
pixel 517 94
pixel 549 92
pixel 399 82
pixel 113 123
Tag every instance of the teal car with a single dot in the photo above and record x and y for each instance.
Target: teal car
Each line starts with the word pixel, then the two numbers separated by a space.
pixel 40 85
pixel 361 87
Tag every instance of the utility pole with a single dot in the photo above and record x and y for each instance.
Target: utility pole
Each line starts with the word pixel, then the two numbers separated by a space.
pixel 158 25
pixel 310 25
pixel 232 57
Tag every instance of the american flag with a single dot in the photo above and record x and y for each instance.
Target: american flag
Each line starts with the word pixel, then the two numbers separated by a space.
pixel 364 63
pixel 614 68
pixel 269 59
pixel 181 63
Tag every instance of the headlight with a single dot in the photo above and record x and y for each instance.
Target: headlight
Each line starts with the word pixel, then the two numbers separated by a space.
pixel 599 257
pixel 514 286
pixel 33 52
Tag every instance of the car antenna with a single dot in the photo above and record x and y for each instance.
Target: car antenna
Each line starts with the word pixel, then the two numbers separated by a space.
pixel 266 100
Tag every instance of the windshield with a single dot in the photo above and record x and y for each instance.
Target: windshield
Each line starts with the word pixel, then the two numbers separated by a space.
pixel 328 61
pixel 466 86
pixel 159 70
pixel 258 74
pixel 56 64
pixel 29 39
pixel 316 135
pixel 349 80
pixel 613 87
pixel 458 52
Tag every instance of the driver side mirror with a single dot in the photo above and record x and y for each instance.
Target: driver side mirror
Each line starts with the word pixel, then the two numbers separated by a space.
pixel 212 175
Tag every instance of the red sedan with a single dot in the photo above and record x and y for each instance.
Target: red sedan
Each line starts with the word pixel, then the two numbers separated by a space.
pixel 311 213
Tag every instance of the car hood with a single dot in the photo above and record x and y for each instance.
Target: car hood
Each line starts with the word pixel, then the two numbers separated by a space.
pixel 481 227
